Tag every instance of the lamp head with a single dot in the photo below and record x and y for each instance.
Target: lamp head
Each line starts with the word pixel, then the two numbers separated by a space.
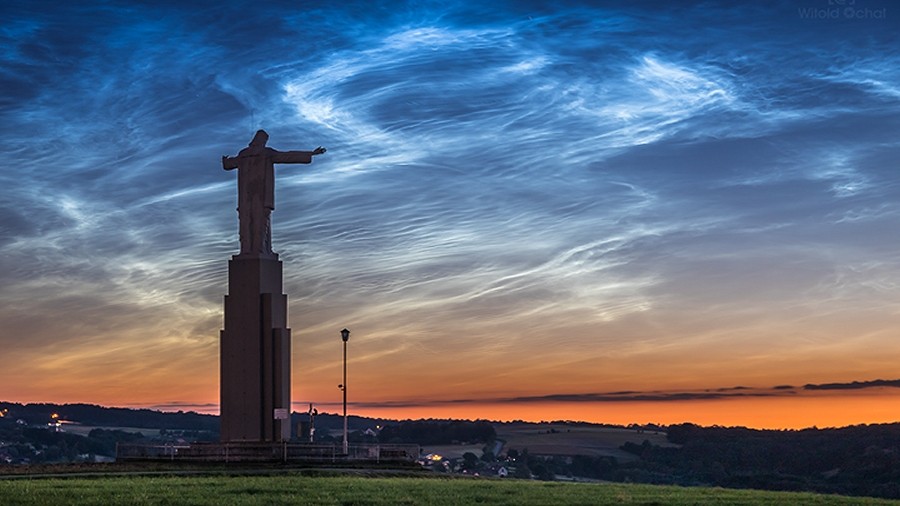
pixel 345 335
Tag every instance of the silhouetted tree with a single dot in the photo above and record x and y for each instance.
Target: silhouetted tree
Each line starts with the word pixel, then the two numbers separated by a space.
pixel 470 461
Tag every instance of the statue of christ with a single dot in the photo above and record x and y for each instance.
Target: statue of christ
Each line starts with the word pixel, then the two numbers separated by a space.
pixel 256 189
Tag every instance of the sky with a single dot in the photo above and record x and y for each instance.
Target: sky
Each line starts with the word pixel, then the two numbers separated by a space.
pixel 648 212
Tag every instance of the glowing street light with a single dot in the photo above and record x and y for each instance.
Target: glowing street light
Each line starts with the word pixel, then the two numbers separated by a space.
pixel 345 336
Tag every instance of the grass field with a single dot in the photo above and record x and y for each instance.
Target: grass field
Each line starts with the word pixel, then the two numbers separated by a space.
pixel 371 491
pixel 574 439
pixel 84 430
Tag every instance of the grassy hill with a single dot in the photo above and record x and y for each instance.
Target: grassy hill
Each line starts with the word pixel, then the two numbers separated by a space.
pixel 374 491
pixel 567 439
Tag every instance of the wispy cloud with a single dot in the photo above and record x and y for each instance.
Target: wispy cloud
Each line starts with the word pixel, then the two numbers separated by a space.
pixel 722 393
pixel 855 385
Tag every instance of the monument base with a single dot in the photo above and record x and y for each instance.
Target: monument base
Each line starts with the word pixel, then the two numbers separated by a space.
pixel 255 348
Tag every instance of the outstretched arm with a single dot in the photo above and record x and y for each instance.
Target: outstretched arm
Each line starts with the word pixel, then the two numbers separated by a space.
pixel 229 162
pixel 296 156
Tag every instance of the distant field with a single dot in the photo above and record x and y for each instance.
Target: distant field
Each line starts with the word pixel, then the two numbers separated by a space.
pixel 574 439
pixel 365 491
pixel 84 430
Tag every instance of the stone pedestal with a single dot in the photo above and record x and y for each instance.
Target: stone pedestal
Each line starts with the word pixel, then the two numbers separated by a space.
pixel 255 353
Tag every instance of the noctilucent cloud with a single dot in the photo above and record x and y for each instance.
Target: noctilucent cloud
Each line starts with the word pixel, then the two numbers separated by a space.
pixel 607 211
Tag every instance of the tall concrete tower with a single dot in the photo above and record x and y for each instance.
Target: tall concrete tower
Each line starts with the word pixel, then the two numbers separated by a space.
pixel 255 375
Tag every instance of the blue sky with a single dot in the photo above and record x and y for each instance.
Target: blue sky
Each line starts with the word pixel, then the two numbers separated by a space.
pixel 519 199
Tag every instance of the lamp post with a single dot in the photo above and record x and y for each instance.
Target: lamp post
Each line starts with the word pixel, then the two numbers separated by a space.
pixel 345 336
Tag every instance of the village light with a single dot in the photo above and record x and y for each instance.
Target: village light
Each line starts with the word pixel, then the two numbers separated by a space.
pixel 345 336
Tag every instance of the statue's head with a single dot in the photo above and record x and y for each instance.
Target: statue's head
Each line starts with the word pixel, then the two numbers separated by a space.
pixel 260 139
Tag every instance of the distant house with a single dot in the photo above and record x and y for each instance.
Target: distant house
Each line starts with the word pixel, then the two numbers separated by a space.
pixel 431 459
pixel 498 470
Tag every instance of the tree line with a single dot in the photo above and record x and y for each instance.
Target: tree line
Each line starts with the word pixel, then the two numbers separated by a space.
pixel 860 460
